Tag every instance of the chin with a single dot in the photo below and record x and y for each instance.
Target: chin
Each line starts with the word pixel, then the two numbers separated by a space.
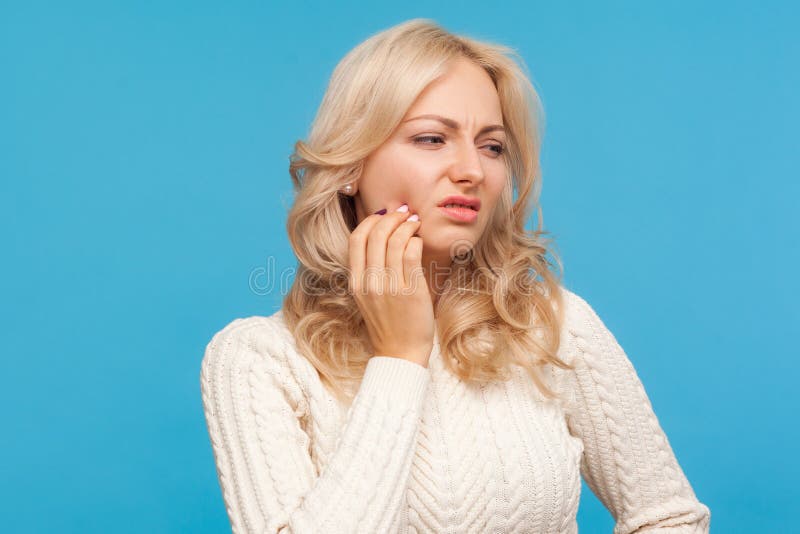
pixel 448 242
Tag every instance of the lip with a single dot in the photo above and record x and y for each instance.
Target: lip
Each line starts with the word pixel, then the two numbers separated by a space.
pixel 460 214
pixel 458 199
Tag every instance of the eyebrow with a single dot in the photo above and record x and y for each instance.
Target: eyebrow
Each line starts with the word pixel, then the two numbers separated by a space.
pixel 454 125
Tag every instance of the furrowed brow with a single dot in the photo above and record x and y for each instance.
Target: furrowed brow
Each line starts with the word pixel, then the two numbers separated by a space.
pixel 454 125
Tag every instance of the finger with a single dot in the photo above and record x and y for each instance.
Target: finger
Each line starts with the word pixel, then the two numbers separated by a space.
pixel 412 262
pixel 357 248
pixel 378 237
pixel 396 248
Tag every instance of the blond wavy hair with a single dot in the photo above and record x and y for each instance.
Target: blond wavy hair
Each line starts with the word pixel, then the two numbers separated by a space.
pixel 502 303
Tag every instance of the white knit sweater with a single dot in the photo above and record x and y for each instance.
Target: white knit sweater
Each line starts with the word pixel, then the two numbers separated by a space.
pixel 421 451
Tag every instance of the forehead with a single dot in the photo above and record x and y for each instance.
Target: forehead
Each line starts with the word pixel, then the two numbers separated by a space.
pixel 465 93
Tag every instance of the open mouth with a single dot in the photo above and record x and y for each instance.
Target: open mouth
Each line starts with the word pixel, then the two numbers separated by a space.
pixel 459 212
pixel 459 206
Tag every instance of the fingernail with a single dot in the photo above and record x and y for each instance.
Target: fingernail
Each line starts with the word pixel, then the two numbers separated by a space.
pixel 380 212
pixel 403 208
pixel 414 217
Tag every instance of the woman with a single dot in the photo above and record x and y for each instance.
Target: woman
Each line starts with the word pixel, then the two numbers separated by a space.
pixel 427 371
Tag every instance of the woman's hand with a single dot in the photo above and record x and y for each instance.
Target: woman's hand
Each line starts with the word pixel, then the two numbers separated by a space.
pixel 389 286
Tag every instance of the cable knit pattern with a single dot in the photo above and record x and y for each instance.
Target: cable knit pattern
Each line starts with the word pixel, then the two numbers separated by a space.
pixel 419 450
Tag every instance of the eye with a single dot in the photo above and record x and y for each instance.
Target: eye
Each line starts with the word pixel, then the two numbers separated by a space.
pixel 423 139
pixel 498 149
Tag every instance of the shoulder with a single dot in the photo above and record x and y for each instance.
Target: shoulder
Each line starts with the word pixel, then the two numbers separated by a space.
pixel 256 323
pixel 264 335
pixel 583 332
pixel 578 313
pixel 255 351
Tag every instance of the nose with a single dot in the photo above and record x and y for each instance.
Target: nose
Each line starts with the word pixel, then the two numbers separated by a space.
pixel 467 166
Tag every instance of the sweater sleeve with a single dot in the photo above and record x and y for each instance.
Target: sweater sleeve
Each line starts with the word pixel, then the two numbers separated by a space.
pixel 627 461
pixel 254 407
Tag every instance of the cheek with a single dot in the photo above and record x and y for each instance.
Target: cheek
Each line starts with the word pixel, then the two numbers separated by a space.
pixel 494 189
pixel 378 184
pixel 402 177
pixel 395 172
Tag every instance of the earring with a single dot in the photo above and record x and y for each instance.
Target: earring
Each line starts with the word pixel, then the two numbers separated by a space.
pixel 348 189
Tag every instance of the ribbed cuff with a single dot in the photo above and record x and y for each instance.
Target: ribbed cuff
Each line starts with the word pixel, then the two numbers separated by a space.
pixel 400 380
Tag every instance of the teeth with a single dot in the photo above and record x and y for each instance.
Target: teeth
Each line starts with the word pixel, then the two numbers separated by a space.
pixel 458 206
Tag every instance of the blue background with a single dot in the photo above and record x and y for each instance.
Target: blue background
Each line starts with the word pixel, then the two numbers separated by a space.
pixel 143 156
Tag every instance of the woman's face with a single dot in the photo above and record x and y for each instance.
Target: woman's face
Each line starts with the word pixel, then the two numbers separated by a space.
pixel 428 159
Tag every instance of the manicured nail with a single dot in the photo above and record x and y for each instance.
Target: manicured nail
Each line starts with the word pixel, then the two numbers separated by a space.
pixel 403 208
pixel 414 217
pixel 380 212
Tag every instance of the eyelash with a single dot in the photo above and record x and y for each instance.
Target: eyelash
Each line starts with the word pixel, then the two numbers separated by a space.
pixel 419 139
